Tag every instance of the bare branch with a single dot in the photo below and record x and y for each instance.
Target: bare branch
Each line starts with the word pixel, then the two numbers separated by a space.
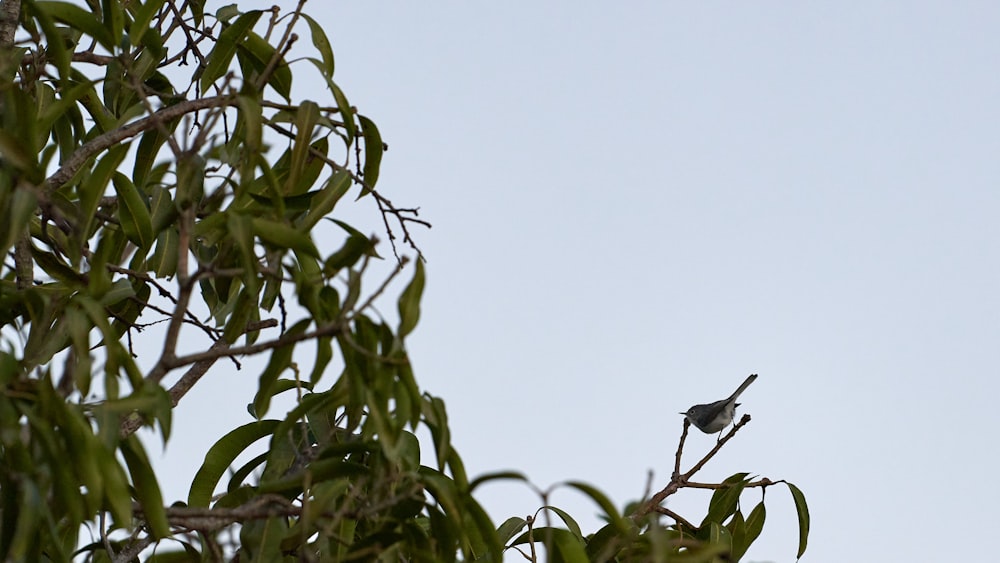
pixel 677 517
pixel 679 481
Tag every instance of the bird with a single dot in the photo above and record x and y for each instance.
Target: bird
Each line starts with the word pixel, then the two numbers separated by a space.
pixel 714 417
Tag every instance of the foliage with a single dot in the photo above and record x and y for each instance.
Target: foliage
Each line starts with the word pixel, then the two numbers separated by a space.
pixel 160 183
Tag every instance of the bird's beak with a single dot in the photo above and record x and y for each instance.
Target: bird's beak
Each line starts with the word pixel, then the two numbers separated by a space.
pixel 682 413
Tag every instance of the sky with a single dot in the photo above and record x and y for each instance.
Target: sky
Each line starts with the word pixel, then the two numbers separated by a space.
pixel 635 205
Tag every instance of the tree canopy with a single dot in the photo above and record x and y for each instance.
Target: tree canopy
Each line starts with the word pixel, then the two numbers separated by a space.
pixel 161 183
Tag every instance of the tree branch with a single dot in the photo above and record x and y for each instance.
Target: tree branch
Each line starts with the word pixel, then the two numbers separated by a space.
pixel 187 381
pixel 325 330
pixel 10 14
pixel 679 481
pixel 111 138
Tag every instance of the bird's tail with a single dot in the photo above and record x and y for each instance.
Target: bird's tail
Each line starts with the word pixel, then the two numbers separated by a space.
pixel 749 380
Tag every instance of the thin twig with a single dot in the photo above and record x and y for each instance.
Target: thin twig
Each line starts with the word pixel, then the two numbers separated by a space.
pixel 680 449
pixel 743 422
pixel 762 482
pixel 678 480
pixel 281 49
pixel 104 535
pixel 677 517
pixel 325 330
pixel 385 205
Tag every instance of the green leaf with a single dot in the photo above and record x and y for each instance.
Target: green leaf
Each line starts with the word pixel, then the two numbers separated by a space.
pixel 221 456
pixel 189 554
pixel 496 476
pixel 147 490
pixel 483 538
pixel 261 539
pixel 409 302
pixel 571 524
pixel 242 312
pixel 78 18
pixel 568 547
pixel 443 489
pixel 610 512
pixel 251 117
pixel 149 147
pixel 510 527
pixel 143 16
pixel 319 471
pixel 755 523
pixel 198 11
pixel 323 202
pixel 132 213
pixel 324 353
pixel 114 19
pixel 240 475
pixel 29 508
pixel 436 418
pixel 260 53
pixel 225 48
pixel 604 543
pixel 802 510
pixel 164 258
pixel 23 204
pixel 725 500
pixel 119 291
pixel 346 256
pixel 305 121
pixel 240 232
pixel 116 491
pixel 162 210
pixel 227 12
pixel 346 112
pixel 322 44
pixel 67 100
pixel 292 204
pixel 190 179
pixel 283 236
pixel 14 151
pixel 281 358
pixel 55 45
pixel 373 151
pixel 738 530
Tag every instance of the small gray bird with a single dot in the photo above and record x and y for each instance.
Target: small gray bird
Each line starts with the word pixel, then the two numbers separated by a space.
pixel 713 417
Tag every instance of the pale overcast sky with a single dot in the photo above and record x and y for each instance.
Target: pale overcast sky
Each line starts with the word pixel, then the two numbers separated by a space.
pixel 636 204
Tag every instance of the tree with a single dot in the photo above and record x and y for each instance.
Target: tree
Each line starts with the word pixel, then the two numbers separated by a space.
pixel 155 171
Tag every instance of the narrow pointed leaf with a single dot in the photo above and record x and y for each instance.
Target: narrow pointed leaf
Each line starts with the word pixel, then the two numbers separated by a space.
pixel 409 302
pixel 601 499
pixel 222 53
pixel 323 202
pixel 147 490
pixel 78 18
pixel 132 213
pixel 143 16
pixel 802 510
pixel 284 236
pixel 221 456
pixel 322 44
pixel 373 151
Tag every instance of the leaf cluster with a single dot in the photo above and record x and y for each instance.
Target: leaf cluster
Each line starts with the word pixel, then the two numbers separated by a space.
pixel 168 205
